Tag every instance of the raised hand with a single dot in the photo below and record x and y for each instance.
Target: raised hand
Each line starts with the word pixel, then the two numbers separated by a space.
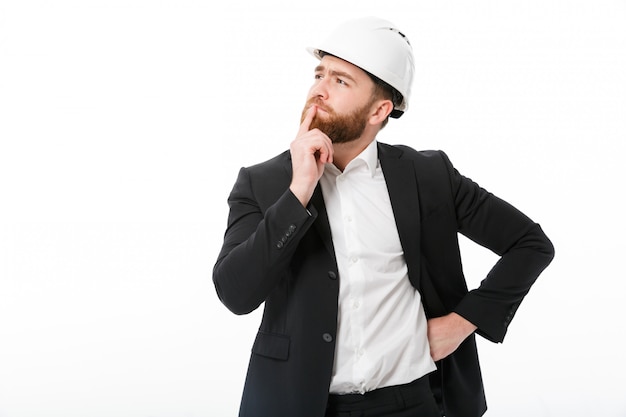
pixel 310 150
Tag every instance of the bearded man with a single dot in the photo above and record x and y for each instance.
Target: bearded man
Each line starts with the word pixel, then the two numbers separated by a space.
pixel 352 247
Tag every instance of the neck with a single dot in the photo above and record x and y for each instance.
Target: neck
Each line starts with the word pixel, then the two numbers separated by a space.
pixel 346 152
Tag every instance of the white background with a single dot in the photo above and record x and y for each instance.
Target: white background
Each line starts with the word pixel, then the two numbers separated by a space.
pixel 123 124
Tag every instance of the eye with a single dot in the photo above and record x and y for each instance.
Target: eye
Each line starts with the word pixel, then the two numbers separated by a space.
pixel 318 76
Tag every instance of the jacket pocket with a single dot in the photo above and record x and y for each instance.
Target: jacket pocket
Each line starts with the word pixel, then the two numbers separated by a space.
pixel 271 345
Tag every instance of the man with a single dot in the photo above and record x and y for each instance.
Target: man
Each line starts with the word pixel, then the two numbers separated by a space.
pixel 351 245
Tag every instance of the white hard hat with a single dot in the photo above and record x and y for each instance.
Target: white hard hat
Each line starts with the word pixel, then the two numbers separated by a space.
pixel 378 47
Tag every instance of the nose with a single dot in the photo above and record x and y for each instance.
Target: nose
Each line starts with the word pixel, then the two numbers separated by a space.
pixel 320 89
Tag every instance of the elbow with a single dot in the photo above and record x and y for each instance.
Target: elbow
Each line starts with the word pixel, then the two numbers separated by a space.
pixel 542 246
pixel 547 248
pixel 233 298
pixel 549 251
pixel 233 302
pixel 235 306
pixel 238 308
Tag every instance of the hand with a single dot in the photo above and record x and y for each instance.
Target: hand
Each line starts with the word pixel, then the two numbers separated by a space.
pixel 310 150
pixel 446 333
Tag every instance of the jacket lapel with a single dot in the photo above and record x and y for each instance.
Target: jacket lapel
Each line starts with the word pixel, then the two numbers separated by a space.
pixel 403 193
pixel 321 223
pixel 403 185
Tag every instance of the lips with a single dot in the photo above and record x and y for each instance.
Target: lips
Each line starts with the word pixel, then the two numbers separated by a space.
pixel 324 109
pixel 320 106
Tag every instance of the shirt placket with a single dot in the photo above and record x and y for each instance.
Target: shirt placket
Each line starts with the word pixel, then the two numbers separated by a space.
pixel 357 280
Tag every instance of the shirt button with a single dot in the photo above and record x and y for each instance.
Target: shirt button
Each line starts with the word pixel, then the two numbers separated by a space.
pixel 327 337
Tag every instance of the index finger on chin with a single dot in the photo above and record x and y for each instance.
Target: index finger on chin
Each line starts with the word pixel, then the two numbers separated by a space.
pixel 308 118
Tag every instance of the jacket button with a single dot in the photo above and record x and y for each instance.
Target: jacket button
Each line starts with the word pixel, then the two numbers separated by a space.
pixel 279 245
pixel 327 337
pixel 292 228
pixel 332 275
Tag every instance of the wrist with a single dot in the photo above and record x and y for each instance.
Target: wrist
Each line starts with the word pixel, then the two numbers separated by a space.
pixel 464 325
pixel 302 192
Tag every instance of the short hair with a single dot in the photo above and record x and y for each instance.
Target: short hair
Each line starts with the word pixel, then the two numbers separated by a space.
pixel 384 90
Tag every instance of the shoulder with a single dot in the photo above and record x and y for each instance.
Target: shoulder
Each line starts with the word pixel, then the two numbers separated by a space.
pixel 272 168
pixel 270 177
pixel 430 156
pixel 277 161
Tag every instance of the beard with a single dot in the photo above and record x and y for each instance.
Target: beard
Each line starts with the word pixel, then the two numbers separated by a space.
pixel 340 128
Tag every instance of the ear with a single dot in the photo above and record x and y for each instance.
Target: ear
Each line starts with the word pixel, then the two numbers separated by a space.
pixel 380 110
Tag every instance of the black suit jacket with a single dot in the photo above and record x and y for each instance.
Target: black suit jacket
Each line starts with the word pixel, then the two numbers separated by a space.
pixel 279 253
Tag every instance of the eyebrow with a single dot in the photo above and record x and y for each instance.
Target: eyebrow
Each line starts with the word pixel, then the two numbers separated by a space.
pixel 342 74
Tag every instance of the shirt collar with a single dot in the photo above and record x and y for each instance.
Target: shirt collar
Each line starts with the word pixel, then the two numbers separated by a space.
pixel 369 155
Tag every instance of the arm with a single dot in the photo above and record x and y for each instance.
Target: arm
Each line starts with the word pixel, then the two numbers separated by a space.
pixel 524 249
pixel 525 252
pixel 259 244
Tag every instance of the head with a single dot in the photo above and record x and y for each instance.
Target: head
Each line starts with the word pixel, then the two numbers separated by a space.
pixel 379 49
pixel 348 99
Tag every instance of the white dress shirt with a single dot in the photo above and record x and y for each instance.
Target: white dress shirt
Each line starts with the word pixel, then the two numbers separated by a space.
pixel 382 330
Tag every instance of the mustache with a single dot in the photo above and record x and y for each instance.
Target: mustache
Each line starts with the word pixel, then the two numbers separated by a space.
pixel 320 105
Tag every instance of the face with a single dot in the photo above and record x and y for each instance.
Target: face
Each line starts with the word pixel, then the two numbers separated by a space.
pixel 343 94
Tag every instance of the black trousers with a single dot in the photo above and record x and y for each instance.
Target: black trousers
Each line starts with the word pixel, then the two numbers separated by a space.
pixel 411 400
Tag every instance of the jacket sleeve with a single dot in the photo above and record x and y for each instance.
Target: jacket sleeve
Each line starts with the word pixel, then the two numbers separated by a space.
pixel 258 244
pixel 524 249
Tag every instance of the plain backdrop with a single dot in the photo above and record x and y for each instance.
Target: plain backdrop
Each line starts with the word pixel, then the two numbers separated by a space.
pixel 123 124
